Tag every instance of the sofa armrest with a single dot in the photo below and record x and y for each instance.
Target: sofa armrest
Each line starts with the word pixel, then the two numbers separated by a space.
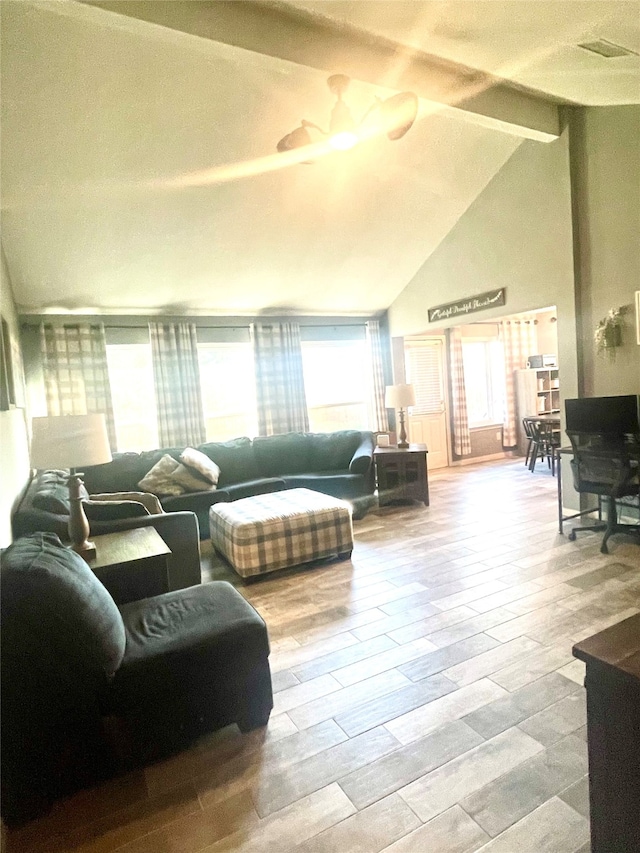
pixel 181 533
pixel 363 457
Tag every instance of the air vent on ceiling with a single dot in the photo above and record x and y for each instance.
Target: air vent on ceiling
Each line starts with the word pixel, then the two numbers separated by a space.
pixel 607 49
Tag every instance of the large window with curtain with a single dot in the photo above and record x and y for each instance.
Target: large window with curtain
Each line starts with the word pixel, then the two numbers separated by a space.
pixel 337 384
pixel 484 381
pixel 227 377
pixel 134 404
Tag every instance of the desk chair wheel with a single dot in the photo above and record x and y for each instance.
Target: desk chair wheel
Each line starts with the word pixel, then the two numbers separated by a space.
pixel 572 536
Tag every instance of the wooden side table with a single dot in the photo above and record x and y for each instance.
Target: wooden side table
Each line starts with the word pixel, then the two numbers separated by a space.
pixel 132 564
pixel 613 735
pixel 401 473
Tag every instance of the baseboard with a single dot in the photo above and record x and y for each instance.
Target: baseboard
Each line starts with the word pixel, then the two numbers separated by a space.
pixel 490 458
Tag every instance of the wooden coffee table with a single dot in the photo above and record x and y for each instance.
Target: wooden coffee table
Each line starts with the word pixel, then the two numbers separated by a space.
pixel 132 564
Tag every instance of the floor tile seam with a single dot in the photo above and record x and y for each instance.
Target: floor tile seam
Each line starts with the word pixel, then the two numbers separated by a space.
pixel 337 633
pixel 356 641
pixel 354 663
pixel 502 644
pixel 508 587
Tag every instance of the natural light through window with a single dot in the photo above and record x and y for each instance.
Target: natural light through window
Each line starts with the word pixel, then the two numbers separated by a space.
pixel 134 404
pixel 336 384
pixel 484 381
pixel 228 390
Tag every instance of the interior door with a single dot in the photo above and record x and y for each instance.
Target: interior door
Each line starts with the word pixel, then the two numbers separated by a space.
pixel 428 419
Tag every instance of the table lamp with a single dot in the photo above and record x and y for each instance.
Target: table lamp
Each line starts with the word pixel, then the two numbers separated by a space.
pixel 400 397
pixel 72 441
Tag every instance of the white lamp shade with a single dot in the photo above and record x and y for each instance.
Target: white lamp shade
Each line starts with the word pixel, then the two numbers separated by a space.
pixel 69 441
pixel 399 396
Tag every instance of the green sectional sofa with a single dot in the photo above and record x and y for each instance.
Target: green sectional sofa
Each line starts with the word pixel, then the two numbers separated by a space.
pixel 338 464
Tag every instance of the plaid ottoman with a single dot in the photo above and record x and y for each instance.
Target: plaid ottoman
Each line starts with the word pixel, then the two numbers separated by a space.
pixel 281 529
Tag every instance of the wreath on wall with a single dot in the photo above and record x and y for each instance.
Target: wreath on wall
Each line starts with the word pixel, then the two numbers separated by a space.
pixel 608 333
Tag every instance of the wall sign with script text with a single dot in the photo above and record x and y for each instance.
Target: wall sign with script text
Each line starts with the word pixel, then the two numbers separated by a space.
pixel 491 299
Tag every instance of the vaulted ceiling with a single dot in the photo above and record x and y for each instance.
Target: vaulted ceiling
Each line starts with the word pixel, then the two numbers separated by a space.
pixel 139 170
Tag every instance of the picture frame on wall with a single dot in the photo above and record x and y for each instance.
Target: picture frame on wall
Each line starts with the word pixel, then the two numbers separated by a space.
pixel 638 317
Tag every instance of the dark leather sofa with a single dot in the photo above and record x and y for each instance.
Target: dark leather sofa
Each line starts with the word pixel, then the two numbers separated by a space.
pixel 162 671
pixel 337 463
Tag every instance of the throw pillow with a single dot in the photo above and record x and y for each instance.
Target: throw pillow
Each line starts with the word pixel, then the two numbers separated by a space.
pixel 193 458
pixel 159 479
pixel 191 480
pixel 151 502
pixel 113 510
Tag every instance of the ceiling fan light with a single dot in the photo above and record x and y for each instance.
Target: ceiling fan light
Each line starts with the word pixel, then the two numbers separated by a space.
pixel 298 138
pixel 344 140
pixel 399 113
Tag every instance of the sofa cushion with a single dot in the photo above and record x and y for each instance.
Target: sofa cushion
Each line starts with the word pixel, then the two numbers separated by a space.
pixel 333 451
pixel 336 483
pixel 56 614
pixel 151 502
pixel 52 498
pixel 159 480
pixel 122 474
pixel 202 466
pixel 50 492
pixel 282 454
pixel 113 510
pixel 236 460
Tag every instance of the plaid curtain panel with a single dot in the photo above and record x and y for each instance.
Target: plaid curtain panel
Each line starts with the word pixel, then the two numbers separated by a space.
pixel 519 341
pixel 176 379
pixel 461 436
pixel 76 377
pixel 378 413
pixel 282 404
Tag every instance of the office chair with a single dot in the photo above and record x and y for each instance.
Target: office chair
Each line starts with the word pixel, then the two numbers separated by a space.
pixel 609 472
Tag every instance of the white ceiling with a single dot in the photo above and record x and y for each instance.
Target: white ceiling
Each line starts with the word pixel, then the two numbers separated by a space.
pixel 530 42
pixel 106 123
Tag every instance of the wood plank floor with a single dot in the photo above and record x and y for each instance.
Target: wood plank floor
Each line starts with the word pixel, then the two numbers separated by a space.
pixel 426 696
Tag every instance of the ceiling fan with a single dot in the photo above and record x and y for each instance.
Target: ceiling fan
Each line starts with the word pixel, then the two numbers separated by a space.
pixel 395 116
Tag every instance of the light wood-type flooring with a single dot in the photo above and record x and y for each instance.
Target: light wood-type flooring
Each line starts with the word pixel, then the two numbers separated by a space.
pixel 426 697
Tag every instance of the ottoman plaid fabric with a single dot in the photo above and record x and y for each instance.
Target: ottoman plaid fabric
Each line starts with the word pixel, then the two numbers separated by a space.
pixel 268 532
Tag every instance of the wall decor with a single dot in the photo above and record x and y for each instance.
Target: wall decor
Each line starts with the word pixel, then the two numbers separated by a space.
pixel 638 316
pixel 608 333
pixel 490 299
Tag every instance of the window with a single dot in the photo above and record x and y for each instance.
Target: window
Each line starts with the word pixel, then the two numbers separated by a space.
pixel 484 381
pixel 228 390
pixel 336 381
pixel 134 403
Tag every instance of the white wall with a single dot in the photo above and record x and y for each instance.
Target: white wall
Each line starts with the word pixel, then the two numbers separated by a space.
pixel 606 160
pixel 14 450
pixel 518 235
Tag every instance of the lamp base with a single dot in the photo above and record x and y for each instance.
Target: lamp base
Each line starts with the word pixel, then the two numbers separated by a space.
pixel 78 524
pixel 86 549
pixel 402 440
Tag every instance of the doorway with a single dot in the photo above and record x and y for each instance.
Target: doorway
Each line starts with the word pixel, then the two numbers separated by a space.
pixel 428 420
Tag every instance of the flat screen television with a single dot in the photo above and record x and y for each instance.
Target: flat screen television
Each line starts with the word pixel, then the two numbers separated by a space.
pixel 604 415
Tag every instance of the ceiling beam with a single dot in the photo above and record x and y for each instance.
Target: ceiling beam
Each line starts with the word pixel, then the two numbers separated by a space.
pixel 293 35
